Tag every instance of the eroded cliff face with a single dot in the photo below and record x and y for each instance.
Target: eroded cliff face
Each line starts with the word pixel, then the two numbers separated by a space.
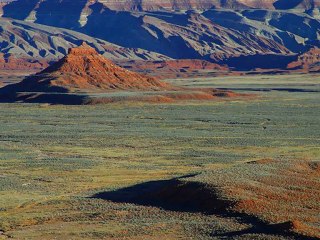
pixel 219 30
pixel 26 45
pixel 28 9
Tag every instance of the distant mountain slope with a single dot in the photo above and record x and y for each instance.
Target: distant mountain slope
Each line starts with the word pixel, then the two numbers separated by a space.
pixel 214 34
pixel 24 40
pixel 207 4
pixel 156 5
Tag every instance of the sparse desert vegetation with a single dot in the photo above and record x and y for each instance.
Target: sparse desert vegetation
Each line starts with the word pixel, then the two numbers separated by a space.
pixel 149 119
pixel 226 168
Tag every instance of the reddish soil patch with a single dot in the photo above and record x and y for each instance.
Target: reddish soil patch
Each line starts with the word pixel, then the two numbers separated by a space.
pixel 284 193
pixel 164 97
pixel 149 99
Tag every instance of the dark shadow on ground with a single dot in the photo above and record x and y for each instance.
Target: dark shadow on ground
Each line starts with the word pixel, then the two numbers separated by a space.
pixel 173 194
pixel 182 195
pixel 50 98
pixel 267 61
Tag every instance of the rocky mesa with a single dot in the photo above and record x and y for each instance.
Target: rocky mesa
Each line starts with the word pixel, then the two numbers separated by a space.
pixel 84 76
pixel 84 69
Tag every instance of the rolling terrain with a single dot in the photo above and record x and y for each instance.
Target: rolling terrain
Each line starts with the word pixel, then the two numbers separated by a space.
pixel 160 119
pixel 187 170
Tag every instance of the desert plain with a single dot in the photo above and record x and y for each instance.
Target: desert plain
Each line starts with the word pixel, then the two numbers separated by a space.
pixel 230 168
pixel 159 120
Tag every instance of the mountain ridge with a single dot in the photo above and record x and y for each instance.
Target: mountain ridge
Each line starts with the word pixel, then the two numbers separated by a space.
pixel 228 31
pixel 25 45
pixel 174 5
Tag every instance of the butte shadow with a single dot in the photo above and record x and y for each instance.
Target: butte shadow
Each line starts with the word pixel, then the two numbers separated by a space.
pixel 177 194
pixel 84 76
pixel 183 194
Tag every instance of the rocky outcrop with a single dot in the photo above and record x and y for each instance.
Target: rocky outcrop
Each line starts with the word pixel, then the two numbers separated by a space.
pixel 308 61
pixel 83 69
pixel 85 77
